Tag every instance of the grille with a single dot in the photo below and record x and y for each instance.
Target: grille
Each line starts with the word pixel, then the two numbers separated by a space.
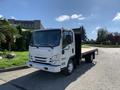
pixel 40 59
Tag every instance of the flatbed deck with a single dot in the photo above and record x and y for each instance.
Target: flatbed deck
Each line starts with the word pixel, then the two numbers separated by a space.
pixel 86 51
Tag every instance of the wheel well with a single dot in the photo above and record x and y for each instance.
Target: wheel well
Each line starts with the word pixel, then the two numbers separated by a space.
pixel 74 61
pixel 72 58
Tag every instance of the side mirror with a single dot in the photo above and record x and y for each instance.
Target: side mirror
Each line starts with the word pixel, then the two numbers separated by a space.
pixel 67 48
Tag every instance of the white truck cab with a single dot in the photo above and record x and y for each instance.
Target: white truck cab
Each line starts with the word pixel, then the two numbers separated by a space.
pixel 51 49
pixel 54 50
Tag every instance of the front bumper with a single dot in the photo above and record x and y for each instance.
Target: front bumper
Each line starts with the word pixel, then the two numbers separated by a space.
pixel 44 67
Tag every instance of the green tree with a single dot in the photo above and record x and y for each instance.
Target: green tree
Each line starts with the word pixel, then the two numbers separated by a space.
pixel 8 32
pixel 83 34
pixel 102 35
pixel 22 43
pixel 110 38
pixel 116 38
pixel 2 37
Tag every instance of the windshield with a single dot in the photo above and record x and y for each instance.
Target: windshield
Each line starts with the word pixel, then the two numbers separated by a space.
pixel 46 38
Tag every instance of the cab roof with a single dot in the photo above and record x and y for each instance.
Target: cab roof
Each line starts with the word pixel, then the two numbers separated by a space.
pixel 52 29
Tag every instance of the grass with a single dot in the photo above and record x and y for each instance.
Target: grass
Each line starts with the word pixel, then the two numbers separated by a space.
pixel 20 59
pixel 104 46
pixel 86 46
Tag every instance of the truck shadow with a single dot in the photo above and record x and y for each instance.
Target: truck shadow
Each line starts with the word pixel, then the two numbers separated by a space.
pixel 40 80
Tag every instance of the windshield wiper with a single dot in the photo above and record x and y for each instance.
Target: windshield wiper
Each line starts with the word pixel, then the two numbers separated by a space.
pixel 48 45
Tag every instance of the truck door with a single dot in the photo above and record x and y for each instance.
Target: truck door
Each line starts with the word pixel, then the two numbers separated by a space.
pixel 67 47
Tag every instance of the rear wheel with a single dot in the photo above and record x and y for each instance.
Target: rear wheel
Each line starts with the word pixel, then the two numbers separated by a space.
pixel 89 58
pixel 69 69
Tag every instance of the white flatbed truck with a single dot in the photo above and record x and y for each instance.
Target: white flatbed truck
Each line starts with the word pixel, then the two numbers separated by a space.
pixel 58 50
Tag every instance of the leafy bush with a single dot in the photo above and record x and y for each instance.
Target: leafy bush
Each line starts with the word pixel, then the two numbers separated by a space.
pixel 22 43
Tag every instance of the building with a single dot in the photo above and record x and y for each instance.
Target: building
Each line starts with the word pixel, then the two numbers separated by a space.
pixel 27 24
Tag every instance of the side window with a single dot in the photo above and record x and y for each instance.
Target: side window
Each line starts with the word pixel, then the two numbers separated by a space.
pixel 67 38
pixel 71 34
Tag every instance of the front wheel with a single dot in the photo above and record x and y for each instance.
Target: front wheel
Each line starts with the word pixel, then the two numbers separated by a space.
pixel 69 69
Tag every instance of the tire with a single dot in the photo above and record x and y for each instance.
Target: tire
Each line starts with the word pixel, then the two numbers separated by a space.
pixel 69 69
pixel 89 58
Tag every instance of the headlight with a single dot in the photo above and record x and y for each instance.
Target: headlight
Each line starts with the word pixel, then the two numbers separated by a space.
pixel 55 57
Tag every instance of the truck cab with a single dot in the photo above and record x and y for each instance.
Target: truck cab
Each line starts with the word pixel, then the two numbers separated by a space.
pixel 52 49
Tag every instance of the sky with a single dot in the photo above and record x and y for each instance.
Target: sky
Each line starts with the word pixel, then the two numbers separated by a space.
pixel 92 14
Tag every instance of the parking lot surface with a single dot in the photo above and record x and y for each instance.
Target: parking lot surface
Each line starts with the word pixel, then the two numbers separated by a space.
pixel 102 74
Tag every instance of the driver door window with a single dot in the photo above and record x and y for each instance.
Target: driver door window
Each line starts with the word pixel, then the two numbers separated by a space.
pixel 67 38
